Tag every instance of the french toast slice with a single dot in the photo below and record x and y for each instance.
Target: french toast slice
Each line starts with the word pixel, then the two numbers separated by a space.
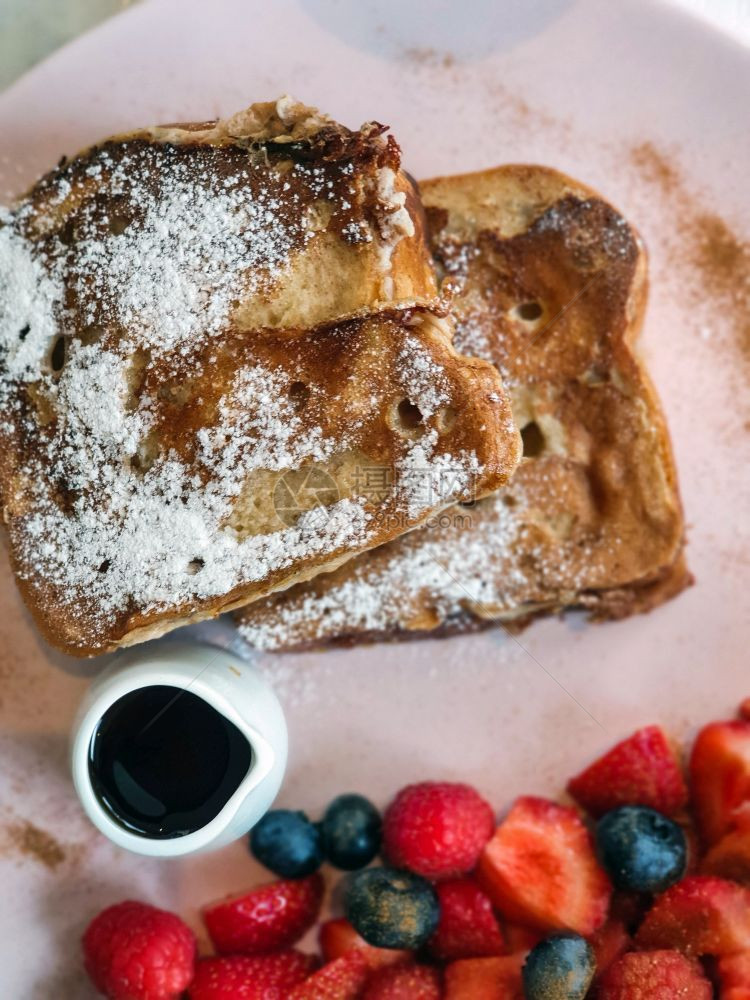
pixel 213 337
pixel 550 285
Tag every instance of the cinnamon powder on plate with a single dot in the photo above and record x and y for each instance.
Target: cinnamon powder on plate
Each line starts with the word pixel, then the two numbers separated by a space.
pixel 33 842
pixel 717 258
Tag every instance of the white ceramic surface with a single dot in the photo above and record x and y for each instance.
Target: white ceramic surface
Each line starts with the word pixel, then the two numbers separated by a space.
pixel 232 686
pixel 573 83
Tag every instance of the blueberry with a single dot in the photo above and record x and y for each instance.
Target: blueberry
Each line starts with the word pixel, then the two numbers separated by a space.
pixel 560 967
pixel 641 849
pixel 351 830
pixel 391 908
pixel 287 843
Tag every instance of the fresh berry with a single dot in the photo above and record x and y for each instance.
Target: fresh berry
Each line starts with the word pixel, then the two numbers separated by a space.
pixel 520 939
pixel 404 982
pixel 468 928
pixel 730 857
pixel 437 829
pixel 654 975
pixel 744 710
pixel 609 943
pixel 641 849
pixel 392 909
pixel 250 977
pixel 540 869
pixel 720 774
pixel 287 843
pixel 641 770
pixel 701 915
pixel 561 966
pixel 133 951
pixel 734 976
pixel 337 937
pixel 484 979
pixel 267 918
pixel 343 979
pixel 351 831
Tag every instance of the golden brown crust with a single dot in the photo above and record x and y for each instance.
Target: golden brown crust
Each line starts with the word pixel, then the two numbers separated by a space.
pixel 550 284
pixel 215 328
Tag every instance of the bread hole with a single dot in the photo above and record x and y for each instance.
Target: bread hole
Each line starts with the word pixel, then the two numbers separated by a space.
pixel 446 419
pixel 57 355
pixel 299 394
pixel 146 455
pixel 533 440
pixel 529 312
pixel 195 566
pixel 409 415
pixel 24 332
pixel 67 234
pixel 595 375
pixel 118 224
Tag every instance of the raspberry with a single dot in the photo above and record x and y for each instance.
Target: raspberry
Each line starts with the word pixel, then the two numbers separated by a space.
pixel 437 829
pixel 133 951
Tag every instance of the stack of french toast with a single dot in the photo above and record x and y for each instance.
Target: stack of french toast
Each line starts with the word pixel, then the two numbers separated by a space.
pixel 251 365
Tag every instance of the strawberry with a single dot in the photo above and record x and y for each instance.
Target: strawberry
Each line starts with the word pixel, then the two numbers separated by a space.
pixel 484 979
pixel 520 938
pixel 539 869
pixel 641 770
pixel 267 918
pixel 468 928
pixel 342 979
pixel 337 937
pixel 404 982
pixel 437 829
pixel 133 951
pixel 734 976
pixel 701 915
pixel 744 710
pixel 609 943
pixel 730 857
pixel 250 977
pixel 654 975
pixel 720 775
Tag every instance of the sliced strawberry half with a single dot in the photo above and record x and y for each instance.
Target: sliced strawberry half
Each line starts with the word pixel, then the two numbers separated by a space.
pixel 654 975
pixel 267 918
pixel 337 937
pixel 641 770
pixel 701 915
pixel 484 979
pixel 405 982
pixel 730 857
pixel 540 869
pixel 734 976
pixel 468 927
pixel 720 775
pixel 343 979
pixel 250 977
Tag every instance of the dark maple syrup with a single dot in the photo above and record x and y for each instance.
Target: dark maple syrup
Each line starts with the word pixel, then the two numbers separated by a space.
pixel 164 762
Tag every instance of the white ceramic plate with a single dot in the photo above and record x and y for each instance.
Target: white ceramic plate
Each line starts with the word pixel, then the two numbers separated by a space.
pixel 577 84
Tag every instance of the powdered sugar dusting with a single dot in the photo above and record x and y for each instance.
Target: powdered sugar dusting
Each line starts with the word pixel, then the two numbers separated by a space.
pixel 188 252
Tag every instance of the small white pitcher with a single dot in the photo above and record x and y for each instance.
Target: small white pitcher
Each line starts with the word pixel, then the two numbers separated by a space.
pixel 228 684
